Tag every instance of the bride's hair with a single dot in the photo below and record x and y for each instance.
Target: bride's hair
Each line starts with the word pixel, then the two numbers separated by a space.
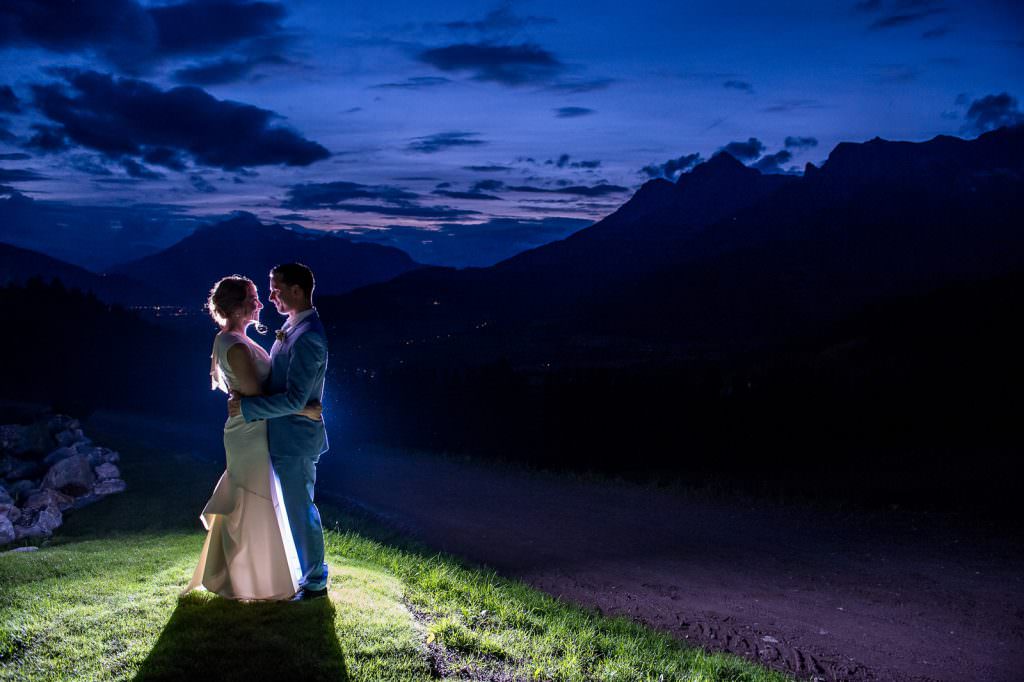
pixel 227 296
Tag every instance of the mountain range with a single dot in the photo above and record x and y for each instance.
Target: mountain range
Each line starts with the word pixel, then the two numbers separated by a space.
pixel 725 258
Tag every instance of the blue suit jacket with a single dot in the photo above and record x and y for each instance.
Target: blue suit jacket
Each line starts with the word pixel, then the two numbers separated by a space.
pixel 298 366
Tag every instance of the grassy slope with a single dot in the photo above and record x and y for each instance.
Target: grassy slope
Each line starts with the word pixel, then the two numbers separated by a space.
pixel 100 602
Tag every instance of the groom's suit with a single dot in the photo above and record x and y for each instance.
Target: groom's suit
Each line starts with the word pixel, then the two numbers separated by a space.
pixel 297 370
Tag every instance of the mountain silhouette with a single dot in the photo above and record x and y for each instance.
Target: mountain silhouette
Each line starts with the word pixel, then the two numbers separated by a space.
pixel 243 245
pixel 729 258
pixel 18 265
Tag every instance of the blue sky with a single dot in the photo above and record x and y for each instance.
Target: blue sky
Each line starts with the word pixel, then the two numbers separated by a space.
pixel 488 127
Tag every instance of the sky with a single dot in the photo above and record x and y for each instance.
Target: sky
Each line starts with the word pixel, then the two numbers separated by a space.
pixel 461 132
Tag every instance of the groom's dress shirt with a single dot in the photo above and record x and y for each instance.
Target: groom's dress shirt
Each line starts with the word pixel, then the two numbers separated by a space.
pixel 297 319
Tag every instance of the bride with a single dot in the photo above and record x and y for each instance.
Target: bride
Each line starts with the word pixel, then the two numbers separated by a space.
pixel 249 552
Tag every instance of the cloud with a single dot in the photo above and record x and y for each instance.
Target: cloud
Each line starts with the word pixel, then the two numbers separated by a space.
pixel 88 164
pixel 330 194
pixel 5 134
pixel 415 83
pixel 15 156
pixel 487 186
pixel 572 112
pixel 465 195
pixel 439 212
pixel 138 171
pixel 772 163
pixel 200 184
pixel 440 142
pixel 575 190
pixel 742 86
pixel 501 19
pixel 673 167
pixel 907 13
pixel 226 70
pixel 487 169
pixel 745 151
pixel 130 117
pixel 563 162
pixel 801 142
pixel 505 64
pixel 292 216
pixel 133 36
pixel 991 112
pixel 47 139
pixel 19 175
pixel 8 100
pixel 162 156
pixel 576 87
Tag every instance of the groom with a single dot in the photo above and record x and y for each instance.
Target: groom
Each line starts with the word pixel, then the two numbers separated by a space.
pixel 298 365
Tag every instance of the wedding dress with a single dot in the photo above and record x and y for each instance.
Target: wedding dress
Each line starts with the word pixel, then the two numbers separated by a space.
pixel 249 552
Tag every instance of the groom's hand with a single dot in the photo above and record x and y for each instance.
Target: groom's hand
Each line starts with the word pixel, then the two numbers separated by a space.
pixel 234 406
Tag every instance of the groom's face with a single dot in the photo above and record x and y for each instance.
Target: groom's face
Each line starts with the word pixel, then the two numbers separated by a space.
pixel 286 298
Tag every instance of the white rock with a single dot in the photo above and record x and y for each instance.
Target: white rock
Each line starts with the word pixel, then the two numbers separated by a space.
pixel 7 533
pixel 72 475
pixel 110 486
pixel 106 471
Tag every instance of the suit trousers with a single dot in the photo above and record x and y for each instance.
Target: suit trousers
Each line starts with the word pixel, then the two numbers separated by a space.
pixel 297 476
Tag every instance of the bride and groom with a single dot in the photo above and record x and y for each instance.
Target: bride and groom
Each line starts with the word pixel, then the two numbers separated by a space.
pixel 265 539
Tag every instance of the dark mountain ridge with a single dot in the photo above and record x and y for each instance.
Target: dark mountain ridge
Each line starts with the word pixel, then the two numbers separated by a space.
pixel 243 245
pixel 729 258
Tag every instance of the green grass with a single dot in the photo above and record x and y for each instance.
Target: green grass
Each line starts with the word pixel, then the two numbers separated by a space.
pixel 100 601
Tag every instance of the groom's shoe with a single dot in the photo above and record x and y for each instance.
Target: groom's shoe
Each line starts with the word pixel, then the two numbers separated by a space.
pixel 305 594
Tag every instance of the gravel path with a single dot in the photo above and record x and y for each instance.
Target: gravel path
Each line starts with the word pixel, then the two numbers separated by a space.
pixel 823 595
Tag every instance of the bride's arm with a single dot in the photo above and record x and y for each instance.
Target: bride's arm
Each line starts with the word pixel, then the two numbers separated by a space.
pixel 244 370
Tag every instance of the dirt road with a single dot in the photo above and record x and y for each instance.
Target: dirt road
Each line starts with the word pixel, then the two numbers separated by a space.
pixel 823 595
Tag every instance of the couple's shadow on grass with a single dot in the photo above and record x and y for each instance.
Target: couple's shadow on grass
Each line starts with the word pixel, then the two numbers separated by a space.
pixel 208 637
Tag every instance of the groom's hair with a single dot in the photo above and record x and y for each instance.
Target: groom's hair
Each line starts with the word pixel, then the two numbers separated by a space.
pixel 295 274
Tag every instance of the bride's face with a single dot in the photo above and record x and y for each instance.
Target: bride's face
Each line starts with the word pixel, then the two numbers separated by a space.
pixel 252 306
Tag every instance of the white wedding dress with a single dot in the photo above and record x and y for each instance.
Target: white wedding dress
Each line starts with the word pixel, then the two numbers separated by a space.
pixel 249 552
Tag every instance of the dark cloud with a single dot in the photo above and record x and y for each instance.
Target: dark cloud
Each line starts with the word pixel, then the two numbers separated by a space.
pixel 88 164
pixel 439 212
pixel 168 158
pixel 19 175
pixel 506 64
pixel 745 151
pixel 442 185
pixel 772 163
pixel 991 112
pixel 140 172
pixel 200 184
pixel 563 161
pixel 575 190
pixel 5 134
pixel 15 156
pixel 292 216
pixel 572 112
pixel 439 142
pixel 501 19
pixel 331 194
pixel 487 186
pixel 47 139
pixel 742 86
pixel 575 87
pixel 465 195
pixel 487 169
pixel 133 36
pixel 906 18
pixel 801 142
pixel 131 117
pixel 415 83
pixel 8 100
pixel 673 167
pixel 226 70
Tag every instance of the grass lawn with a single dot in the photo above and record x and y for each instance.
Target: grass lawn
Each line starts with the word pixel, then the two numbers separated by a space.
pixel 99 601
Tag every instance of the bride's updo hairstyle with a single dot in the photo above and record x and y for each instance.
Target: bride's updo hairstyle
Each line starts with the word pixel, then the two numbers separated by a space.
pixel 227 296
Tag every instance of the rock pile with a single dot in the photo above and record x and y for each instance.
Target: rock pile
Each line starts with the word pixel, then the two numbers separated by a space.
pixel 47 468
